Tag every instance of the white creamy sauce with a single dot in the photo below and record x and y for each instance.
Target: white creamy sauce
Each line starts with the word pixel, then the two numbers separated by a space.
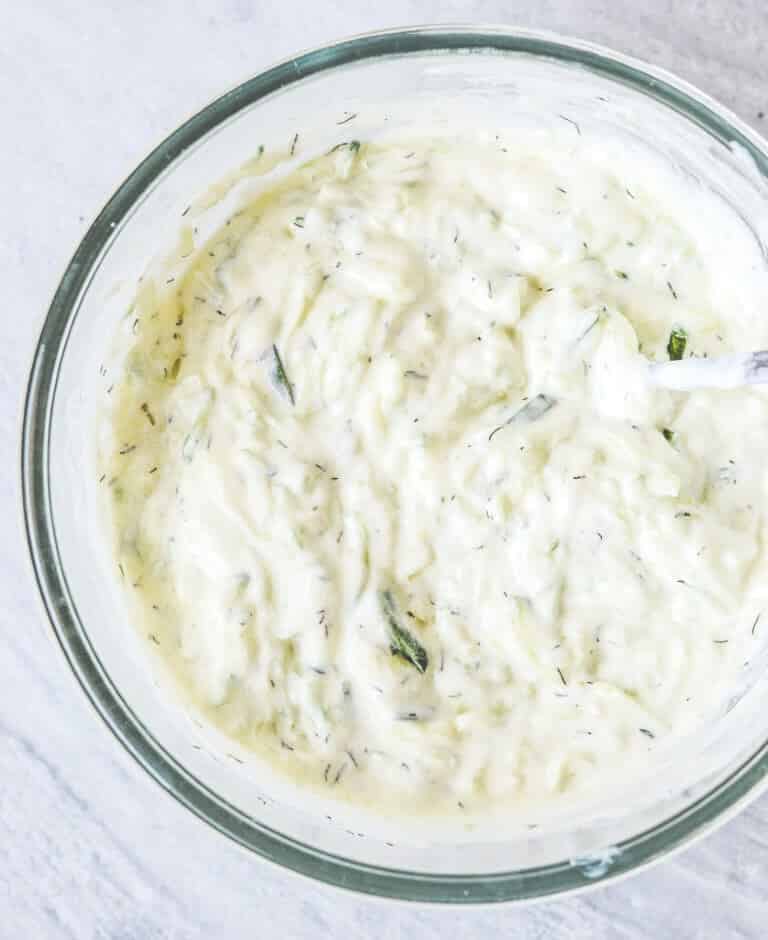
pixel 400 401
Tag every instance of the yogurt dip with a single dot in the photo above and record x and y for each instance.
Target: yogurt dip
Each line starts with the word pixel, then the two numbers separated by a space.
pixel 397 505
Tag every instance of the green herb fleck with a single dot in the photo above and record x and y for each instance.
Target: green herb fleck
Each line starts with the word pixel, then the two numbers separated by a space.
pixel 531 411
pixel 669 436
pixel 148 413
pixel 678 339
pixel 571 121
pixel 351 145
pixel 401 642
pixel 281 377
pixel 589 329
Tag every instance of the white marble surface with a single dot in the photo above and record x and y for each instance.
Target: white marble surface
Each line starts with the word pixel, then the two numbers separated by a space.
pixel 89 846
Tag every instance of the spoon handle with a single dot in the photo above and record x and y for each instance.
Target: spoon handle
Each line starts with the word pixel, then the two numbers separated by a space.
pixel 722 372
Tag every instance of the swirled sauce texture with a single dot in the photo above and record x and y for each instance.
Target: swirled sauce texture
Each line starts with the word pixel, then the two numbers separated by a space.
pixel 398 505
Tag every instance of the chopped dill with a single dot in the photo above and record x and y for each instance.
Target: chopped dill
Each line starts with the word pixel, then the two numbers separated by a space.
pixel 352 145
pixel 531 411
pixel 402 643
pixel 571 121
pixel 589 329
pixel 148 413
pixel 281 376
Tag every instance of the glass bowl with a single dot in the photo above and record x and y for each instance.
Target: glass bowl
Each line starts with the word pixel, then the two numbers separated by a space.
pixel 354 88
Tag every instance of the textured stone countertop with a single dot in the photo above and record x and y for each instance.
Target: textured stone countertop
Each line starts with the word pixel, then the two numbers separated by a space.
pixel 90 847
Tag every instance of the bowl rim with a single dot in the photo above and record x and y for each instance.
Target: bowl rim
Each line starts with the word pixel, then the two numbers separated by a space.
pixel 742 784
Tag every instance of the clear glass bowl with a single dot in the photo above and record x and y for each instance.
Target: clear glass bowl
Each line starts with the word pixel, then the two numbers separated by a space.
pixel 392 78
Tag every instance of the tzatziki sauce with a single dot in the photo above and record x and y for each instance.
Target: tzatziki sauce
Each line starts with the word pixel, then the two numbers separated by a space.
pixel 396 502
